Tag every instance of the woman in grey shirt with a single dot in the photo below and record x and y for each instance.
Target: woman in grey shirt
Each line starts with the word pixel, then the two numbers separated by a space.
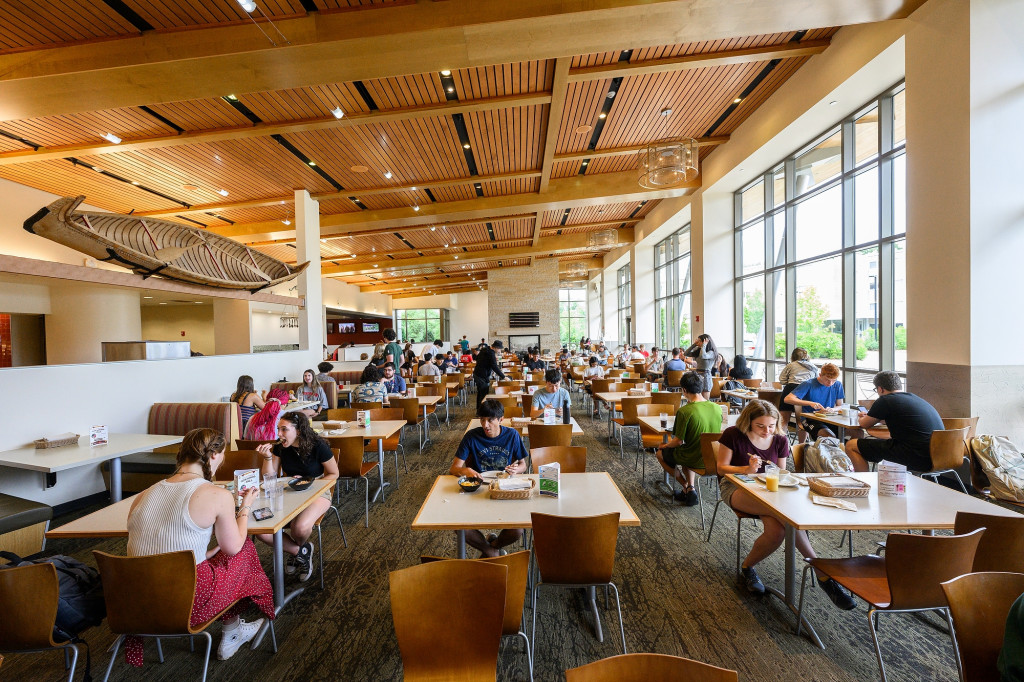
pixel 704 353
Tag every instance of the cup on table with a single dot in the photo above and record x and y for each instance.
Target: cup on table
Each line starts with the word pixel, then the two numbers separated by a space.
pixel 664 421
pixel 771 477
pixel 269 485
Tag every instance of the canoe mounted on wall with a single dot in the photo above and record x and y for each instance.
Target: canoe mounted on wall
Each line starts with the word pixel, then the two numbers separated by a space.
pixel 150 246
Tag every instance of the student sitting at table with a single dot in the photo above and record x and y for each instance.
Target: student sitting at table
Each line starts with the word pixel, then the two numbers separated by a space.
pixel 300 451
pixel 593 371
pixel 490 447
pixel 533 361
pixel 466 357
pixel 182 512
pixel 410 365
pixel 428 368
pixel 324 370
pixel 655 364
pixel 693 418
pixel 744 449
pixel 393 383
pixel 740 369
pixel 263 425
pixel 798 371
pixel 312 391
pixel 450 362
pixel 370 389
pixel 674 364
pixel 249 401
pixel 823 392
pixel 551 395
pixel 911 421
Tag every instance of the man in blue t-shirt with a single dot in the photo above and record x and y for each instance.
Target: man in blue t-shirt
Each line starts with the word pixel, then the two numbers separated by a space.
pixel 552 395
pixel 490 447
pixel 821 393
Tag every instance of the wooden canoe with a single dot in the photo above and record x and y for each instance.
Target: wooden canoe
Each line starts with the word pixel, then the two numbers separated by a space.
pixel 150 246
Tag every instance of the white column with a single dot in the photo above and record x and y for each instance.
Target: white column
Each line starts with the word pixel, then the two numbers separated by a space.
pixel 711 260
pixel 307 245
pixel 641 262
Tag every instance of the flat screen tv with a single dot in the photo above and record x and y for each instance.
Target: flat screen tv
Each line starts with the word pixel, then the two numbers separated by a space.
pixel 346 327
pixel 371 326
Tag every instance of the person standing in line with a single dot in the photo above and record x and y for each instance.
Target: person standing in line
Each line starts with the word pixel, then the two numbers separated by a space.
pixel 701 357
pixel 486 362
pixel 464 344
pixel 392 351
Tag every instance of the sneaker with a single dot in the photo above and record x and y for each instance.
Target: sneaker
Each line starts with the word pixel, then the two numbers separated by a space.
pixel 233 639
pixel 752 581
pixel 491 537
pixel 837 594
pixel 289 564
pixel 690 498
pixel 679 495
pixel 304 562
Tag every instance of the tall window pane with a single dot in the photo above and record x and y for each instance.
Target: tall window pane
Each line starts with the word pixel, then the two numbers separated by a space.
pixel 753 317
pixel 779 309
pixel 685 337
pixel 866 300
pixel 865 191
pixel 752 248
pixel 779 237
pixel 819 165
pixel 819 309
pixel 752 202
pixel 819 224
pixel 865 134
pixel 899 303
pixel 899 118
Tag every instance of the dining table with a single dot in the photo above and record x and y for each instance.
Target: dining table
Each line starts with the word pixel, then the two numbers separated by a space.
pixel 378 430
pixel 522 426
pixel 613 398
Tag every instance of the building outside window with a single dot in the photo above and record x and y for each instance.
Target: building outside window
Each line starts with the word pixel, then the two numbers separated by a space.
pixel 672 290
pixel 821 251
pixel 625 301
pixel 422 324
pixel 572 315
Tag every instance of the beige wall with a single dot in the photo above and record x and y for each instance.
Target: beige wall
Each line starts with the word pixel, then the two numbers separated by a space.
pixel 82 317
pixel 524 290
pixel 168 322
pixel 28 340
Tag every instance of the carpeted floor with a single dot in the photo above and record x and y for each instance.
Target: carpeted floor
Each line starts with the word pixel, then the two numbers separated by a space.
pixel 679 596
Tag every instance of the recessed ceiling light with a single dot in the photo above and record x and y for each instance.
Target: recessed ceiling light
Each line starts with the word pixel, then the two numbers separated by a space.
pixel 338 113
pixel 222 192
pixel 282 202
pixel 286 221
pixel 456 258
pixel 135 182
pixel 446 246
pixel 583 129
pixel 351 255
pixel 232 98
pixel 465 146
pixel 387 174
pixel 602 115
pixel 163 302
pixel 446 72
pixel 833 103
pixel 97 169
pixel 198 302
pixel 147 297
pixel 404 280
pixel 413 188
pixel 415 208
pixel 737 100
pixel 451 89
pixel 111 137
pixel 611 93
pixel 248 5
pixel 323 241
pixel 585 163
pixel 312 163
pixel 375 265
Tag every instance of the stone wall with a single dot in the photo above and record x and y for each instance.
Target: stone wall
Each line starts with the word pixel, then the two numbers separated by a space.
pixel 524 290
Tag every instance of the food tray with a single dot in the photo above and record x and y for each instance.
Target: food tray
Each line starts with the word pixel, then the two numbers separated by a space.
pixel 45 443
pixel 821 485
pixel 497 494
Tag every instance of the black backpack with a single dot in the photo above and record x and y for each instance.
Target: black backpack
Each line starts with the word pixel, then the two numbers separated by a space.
pixel 80 604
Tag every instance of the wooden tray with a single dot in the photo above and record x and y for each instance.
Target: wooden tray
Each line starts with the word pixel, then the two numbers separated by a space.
pixel 821 485
pixel 525 494
pixel 45 444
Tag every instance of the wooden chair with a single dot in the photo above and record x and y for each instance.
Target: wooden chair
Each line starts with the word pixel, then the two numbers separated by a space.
pixel 666 398
pixel 672 379
pixel 508 402
pixel 650 440
pixel 752 383
pixel 1001 547
pixel 709 451
pixel 432 389
pixel 518 565
pixel 547 435
pixel 29 596
pixel 979 604
pixel 629 420
pixel 348 452
pixel 509 383
pixel 646 667
pixel 979 483
pixel 343 414
pixel 356 405
pixel 241 459
pixel 504 390
pixel 797 453
pixel 575 551
pixel 319 522
pixel 716 388
pixel 906 580
pixel 394 443
pixel 614 373
pixel 639 369
pixel 948 448
pixel 770 396
pixel 572 460
pixel 599 386
pixel 151 596
pixel 241 444
pixel 527 403
pixel 432 619
pixel 412 415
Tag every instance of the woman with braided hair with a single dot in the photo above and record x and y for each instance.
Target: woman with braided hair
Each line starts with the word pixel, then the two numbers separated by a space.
pixel 183 512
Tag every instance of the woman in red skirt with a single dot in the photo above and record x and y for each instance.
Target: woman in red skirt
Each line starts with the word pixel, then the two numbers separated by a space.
pixel 183 512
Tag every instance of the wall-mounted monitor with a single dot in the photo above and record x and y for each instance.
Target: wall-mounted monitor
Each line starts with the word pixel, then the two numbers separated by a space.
pixel 346 327
pixel 371 326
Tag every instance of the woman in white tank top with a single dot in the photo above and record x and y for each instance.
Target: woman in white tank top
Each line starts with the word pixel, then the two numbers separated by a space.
pixel 183 512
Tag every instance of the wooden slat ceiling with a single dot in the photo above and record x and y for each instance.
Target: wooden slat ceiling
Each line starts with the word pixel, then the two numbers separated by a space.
pixel 383 152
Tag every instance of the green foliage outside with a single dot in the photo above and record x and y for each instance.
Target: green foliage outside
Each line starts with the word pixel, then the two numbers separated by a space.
pixel 901 337
pixel 753 311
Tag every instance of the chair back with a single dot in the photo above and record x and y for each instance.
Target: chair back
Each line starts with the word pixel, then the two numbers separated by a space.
pixel 410 408
pixel 527 401
pixel 979 604
pixel 537 376
pixel 504 390
pixel 673 377
pixel 429 389
pixel 716 387
pixel 1001 547
pixel 654 409
pixel 344 414
pixel 971 423
pixel 148 594
pixel 546 435
pixel 797 453
pixel 393 413
pixel 508 382
pixel 613 373
pixel 639 368
pixel 29 596
pixel 673 398
pixel 348 452
pixel 752 383
pixel 619 387
pixel 508 402
pixel 646 667
pixel 572 460
pixel 518 565
pixel 916 564
pixel 709 451
pixel 772 396
pixel 240 459
pixel 241 444
pixel 600 385
pixel 575 550
pixel 948 448
pixel 435 605
pixel 629 405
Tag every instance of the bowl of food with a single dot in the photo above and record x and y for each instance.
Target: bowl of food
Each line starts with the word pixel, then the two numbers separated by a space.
pixel 470 484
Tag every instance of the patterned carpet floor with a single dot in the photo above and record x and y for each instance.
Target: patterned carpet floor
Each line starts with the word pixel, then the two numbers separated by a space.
pixel 679 596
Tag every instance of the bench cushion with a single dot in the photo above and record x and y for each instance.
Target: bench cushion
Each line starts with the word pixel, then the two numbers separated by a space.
pixel 177 419
pixel 16 513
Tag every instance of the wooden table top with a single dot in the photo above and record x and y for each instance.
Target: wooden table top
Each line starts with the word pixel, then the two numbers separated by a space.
pixel 50 460
pixel 383 428
pixel 926 505
pixel 446 507
pixel 112 521
pixel 654 423
pixel 577 430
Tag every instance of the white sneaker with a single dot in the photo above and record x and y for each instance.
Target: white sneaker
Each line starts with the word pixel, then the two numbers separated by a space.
pixel 233 639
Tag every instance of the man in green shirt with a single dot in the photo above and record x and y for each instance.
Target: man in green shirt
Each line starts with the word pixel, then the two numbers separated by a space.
pixel 695 417
pixel 392 352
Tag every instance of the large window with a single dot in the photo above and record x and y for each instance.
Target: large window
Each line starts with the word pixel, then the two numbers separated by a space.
pixel 625 304
pixel 572 315
pixel 422 324
pixel 672 290
pixel 821 251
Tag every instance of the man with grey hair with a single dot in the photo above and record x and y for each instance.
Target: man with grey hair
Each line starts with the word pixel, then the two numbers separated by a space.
pixel 911 421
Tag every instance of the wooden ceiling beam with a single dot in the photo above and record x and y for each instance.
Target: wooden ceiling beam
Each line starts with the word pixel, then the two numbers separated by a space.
pixel 406 38
pixel 633 149
pixel 572 192
pixel 455 290
pixel 547 245
pixel 389 287
pixel 559 91
pixel 699 61
pixel 267 129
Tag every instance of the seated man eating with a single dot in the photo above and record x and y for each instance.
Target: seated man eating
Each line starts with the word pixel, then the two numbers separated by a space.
pixel 552 395
pixel 490 447
pixel 695 417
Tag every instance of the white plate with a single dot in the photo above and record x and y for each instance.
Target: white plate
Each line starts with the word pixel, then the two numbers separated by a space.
pixel 787 482
pixel 489 475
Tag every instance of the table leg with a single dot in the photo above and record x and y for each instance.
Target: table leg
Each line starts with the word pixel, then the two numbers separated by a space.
pixel 426 426
pixel 280 598
pixel 789 597
pixel 380 469
pixel 460 543
pixel 115 479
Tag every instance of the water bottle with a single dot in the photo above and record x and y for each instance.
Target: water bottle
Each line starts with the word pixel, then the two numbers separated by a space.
pixel 566 417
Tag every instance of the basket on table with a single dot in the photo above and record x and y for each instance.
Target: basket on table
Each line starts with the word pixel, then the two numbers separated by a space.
pixel 524 494
pixel 59 442
pixel 826 485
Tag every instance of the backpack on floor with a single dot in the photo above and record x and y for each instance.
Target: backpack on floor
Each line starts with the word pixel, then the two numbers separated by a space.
pixel 1003 464
pixel 825 456
pixel 80 604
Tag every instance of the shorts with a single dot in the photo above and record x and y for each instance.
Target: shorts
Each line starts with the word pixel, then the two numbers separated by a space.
pixel 693 463
pixel 706 383
pixel 877 449
pixel 726 488
pixel 812 427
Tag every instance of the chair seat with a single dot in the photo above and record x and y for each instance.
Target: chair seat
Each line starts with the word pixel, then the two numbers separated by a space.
pixel 389 444
pixel 366 467
pixel 16 513
pixel 651 440
pixel 865 576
